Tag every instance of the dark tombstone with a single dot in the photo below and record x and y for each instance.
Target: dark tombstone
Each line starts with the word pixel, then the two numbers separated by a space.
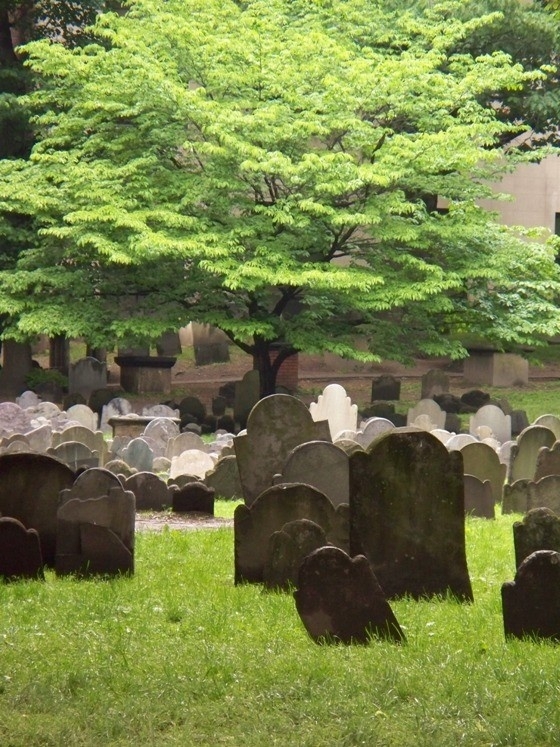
pixel 286 551
pixel 17 365
pixel 475 398
pixel 407 515
pixel 519 421
pixel 548 461
pixel 339 600
pixel 254 525
pixel 86 376
pixel 191 428
pixel 150 491
pixel 539 530
pixel 169 344
pixel 219 405
pixel 378 409
pixel 192 406
pixel 20 551
pixel 479 501
pixel 434 382
pixel 449 403
pixel 29 491
pixel 101 397
pixel 226 423
pixel 385 387
pixel 194 496
pixel 247 394
pixel 227 391
pixel 452 422
pixel 531 603
pixel 96 536
pixel 75 398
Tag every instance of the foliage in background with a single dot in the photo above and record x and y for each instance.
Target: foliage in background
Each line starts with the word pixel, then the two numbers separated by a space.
pixel 272 168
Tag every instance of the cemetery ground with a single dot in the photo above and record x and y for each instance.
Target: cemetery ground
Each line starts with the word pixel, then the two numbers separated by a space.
pixel 178 655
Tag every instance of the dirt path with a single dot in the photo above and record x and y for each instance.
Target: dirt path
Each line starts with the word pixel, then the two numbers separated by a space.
pixel 160 522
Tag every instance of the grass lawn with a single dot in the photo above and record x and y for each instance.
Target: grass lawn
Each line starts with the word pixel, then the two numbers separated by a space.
pixel 177 655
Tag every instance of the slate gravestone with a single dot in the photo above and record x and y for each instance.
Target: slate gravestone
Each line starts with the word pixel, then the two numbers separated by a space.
pixel 524 453
pixel 516 497
pixel 92 483
pixel 372 429
pixel 92 439
pixel 548 461
pixel 224 478
pixel 20 551
pixel 29 491
pixel 191 462
pixel 539 530
pixel 275 507
pixel 184 442
pixel 96 536
pixel 276 425
pixel 322 465
pixel 483 462
pixel 87 375
pixel 192 406
pixel 83 415
pixel 519 421
pixel 531 603
pixel 150 491
pixel 138 454
pixel 385 387
pixel 247 394
pixel 407 515
pixel 495 419
pixel 434 382
pixel 194 496
pixel 76 455
pixel 287 549
pixel 431 409
pixel 219 405
pixel 339 600
pixel 552 422
pixel 336 407
pixel 479 500
pixel 161 430
pixel 116 408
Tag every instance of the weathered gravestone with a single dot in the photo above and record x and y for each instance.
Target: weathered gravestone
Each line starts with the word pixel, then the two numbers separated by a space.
pixel 385 387
pixel 83 415
pixel 548 461
pixel 531 603
pixel 27 399
pixel 428 408
pixel 224 478
pixel 247 394
pixel 29 491
pixel 86 376
pixel 371 429
pixel 287 549
pixel 76 455
pixel 336 407
pixel 191 462
pixel 192 406
pixel 20 551
pixel 194 496
pixel 407 515
pixel 118 407
pixel 275 507
pixel 492 417
pixel 322 465
pixel 339 600
pixel 92 483
pixel 434 382
pixel 14 419
pixel 96 535
pixel 483 462
pixel 138 454
pixel 276 425
pixel 539 530
pixel 524 453
pixel 479 501
pixel 459 441
pixel 184 442
pixel 552 422
pixel 150 491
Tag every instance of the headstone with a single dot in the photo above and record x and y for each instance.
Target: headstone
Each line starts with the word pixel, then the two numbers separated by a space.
pixel 184 442
pixel 523 460
pixel 86 376
pixel 161 431
pixel 116 408
pixel 552 422
pixel 169 344
pixel 479 500
pixel 385 387
pixel 407 515
pixel 83 415
pixel 372 429
pixel 194 496
pixel 492 417
pixel 336 407
pixel 224 479
pixel 92 439
pixel 13 419
pixel 150 491
pixel 219 405
pixel 27 399
pixel 459 441
pixel 96 536
pixel 275 507
pixel 92 483
pixel 531 603
pixel 192 462
pixel 548 461
pixel 276 425
pixel 431 409
pixel 17 365
pixel 340 600
pixel 516 497
pixel 519 421
pixel 286 551
pixel 192 406
pixel 434 382
pixel 160 411
pixel 322 465
pixel 483 462
pixel 247 394
pixel 29 491
pixel 76 455
pixel 20 551
pixel 138 454
pixel 539 530
pixel 120 467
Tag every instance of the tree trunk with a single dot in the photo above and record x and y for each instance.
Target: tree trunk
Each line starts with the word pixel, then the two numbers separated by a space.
pixel 267 373
pixel 7 54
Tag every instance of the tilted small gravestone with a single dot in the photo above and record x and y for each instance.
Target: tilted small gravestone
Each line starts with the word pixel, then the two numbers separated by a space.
pixel 479 500
pixel 407 515
pixel 336 407
pixel 254 525
pixel 20 551
pixel 287 549
pixel 339 600
pixel 194 496
pixel 539 530
pixel 531 603
pixel 322 465
pixel 385 387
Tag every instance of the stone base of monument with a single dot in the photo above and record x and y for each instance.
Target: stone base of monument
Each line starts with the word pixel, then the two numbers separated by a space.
pixel 143 374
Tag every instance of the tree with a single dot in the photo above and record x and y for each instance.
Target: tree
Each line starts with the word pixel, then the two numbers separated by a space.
pixel 267 167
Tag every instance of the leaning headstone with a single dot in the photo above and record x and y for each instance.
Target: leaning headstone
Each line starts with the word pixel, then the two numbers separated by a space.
pixel 548 461
pixel 29 491
pixel 96 536
pixel 224 478
pixel 523 460
pixel 150 491
pixel 86 376
pixel 407 515
pixel 483 462
pixel 431 409
pixel 20 551
pixel 194 496
pixel 339 600
pixel 275 507
pixel 385 387
pixel 287 549
pixel 276 425
pixel 494 418
pixel 434 382
pixel 539 530
pixel 191 462
pixel 336 407
pixel 322 465
pixel 479 500
pixel 531 603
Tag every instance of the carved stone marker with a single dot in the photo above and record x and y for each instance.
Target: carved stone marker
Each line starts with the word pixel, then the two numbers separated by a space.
pixel 539 530
pixel 339 599
pixel 20 551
